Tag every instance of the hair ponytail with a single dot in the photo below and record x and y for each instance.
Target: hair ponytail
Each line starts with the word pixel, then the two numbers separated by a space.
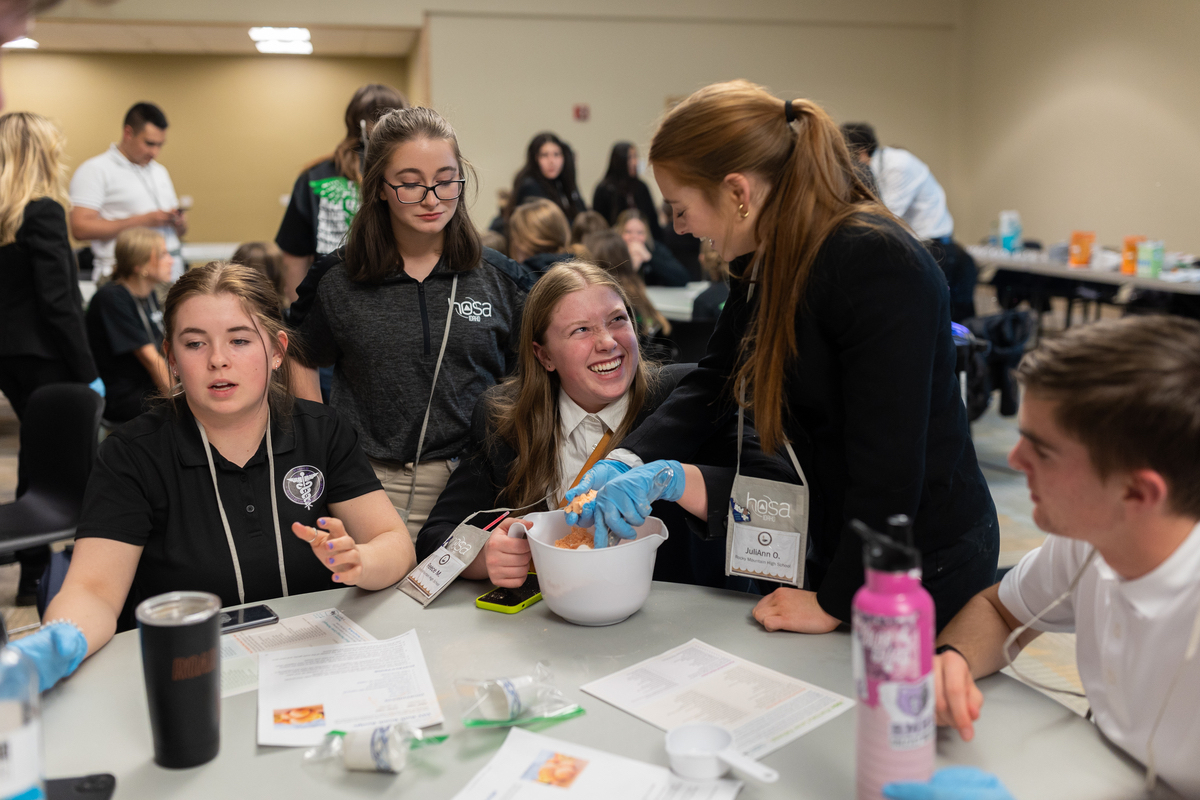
pixel 740 127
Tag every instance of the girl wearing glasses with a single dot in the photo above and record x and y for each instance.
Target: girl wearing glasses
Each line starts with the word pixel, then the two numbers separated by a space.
pixel 416 317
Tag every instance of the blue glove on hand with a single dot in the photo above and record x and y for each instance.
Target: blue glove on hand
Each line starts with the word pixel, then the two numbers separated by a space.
pixel 594 478
pixel 951 783
pixel 97 386
pixel 624 502
pixel 55 650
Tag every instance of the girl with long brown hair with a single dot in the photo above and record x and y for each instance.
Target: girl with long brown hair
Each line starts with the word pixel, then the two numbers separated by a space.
pixel 230 486
pixel 580 376
pixel 415 316
pixel 837 330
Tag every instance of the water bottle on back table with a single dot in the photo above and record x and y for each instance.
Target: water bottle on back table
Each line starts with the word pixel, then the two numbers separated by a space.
pixel 893 635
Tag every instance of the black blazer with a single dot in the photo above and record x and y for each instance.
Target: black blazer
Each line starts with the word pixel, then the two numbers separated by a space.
pixel 41 307
pixel 873 406
pixel 684 558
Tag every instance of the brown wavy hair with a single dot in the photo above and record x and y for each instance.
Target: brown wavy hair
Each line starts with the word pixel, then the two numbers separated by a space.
pixel 524 408
pixel 539 226
pixel 371 251
pixel 740 127
pixel 260 302
pixel 368 104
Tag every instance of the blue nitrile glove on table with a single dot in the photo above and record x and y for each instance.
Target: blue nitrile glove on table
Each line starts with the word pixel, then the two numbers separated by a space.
pixel 97 386
pixel 951 783
pixel 594 478
pixel 56 650
pixel 624 501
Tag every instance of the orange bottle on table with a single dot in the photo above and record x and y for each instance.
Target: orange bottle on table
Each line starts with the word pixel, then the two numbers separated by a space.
pixel 1129 255
pixel 1080 251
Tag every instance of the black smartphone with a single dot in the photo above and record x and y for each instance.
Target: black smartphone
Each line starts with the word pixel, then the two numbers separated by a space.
pixel 90 787
pixel 510 601
pixel 250 617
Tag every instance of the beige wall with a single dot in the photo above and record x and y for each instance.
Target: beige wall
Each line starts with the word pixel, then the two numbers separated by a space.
pixel 241 127
pixel 1083 115
pixel 500 80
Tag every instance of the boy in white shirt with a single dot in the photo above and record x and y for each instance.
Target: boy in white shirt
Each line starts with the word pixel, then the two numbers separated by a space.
pixel 1110 446
pixel 125 187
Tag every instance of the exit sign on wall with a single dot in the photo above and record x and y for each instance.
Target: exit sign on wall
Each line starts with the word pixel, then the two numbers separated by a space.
pixel 582 112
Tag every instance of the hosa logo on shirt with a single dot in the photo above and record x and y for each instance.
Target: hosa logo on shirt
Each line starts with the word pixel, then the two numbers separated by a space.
pixel 766 507
pixel 473 310
pixel 304 485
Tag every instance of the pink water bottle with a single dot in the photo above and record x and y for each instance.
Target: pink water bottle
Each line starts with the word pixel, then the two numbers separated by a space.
pixel 893 662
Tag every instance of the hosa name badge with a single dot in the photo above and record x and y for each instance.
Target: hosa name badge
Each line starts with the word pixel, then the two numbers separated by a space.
pixel 439 569
pixel 768 530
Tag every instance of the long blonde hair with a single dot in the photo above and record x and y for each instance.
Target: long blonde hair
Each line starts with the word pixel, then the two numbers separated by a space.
pixel 524 409
pixel 539 226
pixel 740 127
pixel 31 167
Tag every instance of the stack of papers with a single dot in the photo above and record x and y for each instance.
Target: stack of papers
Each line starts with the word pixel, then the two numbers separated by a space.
pixel 239 651
pixel 695 682
pixel 305 693
pixel 532 766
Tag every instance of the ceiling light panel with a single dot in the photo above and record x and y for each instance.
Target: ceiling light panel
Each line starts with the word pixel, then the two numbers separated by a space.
pixel 280 34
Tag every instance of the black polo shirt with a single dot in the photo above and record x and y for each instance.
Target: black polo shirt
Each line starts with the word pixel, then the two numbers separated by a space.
pixel 151 487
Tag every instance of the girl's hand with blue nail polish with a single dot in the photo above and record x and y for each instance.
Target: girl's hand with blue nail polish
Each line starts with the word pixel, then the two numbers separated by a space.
pixel 334 548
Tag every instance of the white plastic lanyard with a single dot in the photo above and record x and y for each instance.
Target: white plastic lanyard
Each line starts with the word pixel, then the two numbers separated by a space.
pixel 412 489
pixel 212 469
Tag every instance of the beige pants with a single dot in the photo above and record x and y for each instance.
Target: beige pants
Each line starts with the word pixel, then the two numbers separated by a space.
pixel 397 479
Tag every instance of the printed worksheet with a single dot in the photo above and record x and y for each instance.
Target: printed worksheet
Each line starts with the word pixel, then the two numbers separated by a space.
pixel 239 651
pixel 695 682
pixel 304 694
pixel 529 766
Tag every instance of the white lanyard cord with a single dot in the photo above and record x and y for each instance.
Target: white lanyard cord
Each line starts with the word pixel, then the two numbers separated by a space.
pixel 741 423
pixel 212 469
pixel 742 399
pixel 412 489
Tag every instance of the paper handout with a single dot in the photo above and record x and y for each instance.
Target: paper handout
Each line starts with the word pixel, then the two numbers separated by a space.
pixel 239 651
pixel 696 682
pixel 304 694
pixel 529 765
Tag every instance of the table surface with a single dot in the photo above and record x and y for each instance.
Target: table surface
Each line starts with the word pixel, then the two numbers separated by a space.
pixel 675 302
pixel 1040 265
pixel 97 721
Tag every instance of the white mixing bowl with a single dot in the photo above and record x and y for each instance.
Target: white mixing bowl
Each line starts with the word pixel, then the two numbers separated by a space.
pixel 593 587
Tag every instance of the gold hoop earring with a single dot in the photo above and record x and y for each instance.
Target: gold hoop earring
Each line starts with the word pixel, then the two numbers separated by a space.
pixel 742 210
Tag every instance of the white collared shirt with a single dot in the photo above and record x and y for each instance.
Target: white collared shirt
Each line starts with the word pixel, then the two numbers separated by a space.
pixel 579 433
pixel 117 188
pixel 1130 640
pixel 909 190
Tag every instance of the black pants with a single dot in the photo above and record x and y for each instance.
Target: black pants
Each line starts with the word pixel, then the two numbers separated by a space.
pixel 961 274
pixel 20 376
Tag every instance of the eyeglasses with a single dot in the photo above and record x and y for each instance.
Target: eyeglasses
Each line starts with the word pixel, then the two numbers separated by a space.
pixel 410 193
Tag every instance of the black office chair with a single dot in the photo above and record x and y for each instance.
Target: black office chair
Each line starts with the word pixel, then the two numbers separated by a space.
pixel 59 435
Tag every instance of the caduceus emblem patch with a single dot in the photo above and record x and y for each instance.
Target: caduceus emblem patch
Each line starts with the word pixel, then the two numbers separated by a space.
pixel 304 485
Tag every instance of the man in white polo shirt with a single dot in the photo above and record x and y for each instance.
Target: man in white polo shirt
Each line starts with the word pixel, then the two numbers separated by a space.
pixel 126 188
pixel 1110 447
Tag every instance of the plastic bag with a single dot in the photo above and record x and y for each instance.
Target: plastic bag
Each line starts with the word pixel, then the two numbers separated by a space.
pixel 502 702
pixel 380 750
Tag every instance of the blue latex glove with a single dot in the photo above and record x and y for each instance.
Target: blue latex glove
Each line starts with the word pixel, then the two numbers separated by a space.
pixel 55 650
pixel 624 502
pixel 951 783
pixel 97 386
pixel 594 478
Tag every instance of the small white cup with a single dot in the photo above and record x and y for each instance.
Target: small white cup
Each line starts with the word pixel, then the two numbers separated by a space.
pixel 702 751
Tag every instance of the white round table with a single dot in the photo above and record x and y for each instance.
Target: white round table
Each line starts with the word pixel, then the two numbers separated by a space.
pixel 97 720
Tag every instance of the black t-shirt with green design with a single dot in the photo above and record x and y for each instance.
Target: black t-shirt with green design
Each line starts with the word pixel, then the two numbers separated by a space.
pixel 319 213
